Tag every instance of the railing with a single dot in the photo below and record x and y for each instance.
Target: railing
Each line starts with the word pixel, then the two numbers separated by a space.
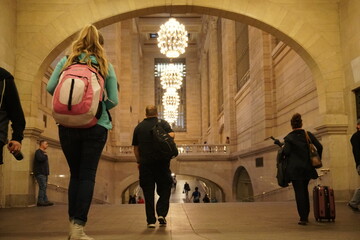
pixel 202 149
pixel 269 195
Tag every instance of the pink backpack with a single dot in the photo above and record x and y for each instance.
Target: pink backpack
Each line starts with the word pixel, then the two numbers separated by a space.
pixel 77 97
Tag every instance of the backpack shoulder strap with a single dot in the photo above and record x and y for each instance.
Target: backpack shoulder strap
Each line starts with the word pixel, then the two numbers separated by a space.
pixel 2 91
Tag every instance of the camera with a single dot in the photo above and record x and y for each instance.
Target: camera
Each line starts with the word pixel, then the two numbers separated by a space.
pixel 18 155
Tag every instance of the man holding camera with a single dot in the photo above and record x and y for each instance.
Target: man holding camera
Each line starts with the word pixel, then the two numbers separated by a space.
pixel 10 109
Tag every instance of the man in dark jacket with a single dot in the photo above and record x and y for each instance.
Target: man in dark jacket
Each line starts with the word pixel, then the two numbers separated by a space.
pixel 152 168
pixel 355 142
pixel 10 109
pixel 41 172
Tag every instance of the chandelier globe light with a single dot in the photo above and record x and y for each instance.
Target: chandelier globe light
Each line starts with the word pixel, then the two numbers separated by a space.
pixel 170 115
pixel 172 38
pixel 171 99
pixel 171 77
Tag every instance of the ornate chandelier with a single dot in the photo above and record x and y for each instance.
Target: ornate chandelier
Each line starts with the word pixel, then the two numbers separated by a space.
pixel 171 99
pixel 171 77
pixel 170 115
pixel 171 80
pixel 172 38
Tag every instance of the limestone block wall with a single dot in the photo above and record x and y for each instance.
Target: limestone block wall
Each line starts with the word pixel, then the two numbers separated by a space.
pixel 8 35
pixel 350 35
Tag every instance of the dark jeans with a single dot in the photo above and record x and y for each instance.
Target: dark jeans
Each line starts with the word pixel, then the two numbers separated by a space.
pixel 161 176
pixel 42 181
pixel 302 198
pixel 82 148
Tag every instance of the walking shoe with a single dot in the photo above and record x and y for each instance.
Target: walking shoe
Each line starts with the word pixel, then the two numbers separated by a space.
pixel 151 225
pixel 48 203
pixel 162 221
pixel 77 232
pixel 355 209
pixel 44 204
pixel 302 223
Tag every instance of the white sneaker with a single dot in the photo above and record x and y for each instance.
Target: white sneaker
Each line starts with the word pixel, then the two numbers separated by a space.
pixel 151 225
pixel 162 221
pixel 77 232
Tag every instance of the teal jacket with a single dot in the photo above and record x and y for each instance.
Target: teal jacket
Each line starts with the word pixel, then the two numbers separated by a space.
pixel 111 88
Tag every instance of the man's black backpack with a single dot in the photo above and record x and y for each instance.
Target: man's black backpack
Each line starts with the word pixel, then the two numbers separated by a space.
pixel 165 145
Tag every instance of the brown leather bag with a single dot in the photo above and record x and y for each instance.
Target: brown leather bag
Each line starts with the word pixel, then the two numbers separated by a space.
pixel 314 155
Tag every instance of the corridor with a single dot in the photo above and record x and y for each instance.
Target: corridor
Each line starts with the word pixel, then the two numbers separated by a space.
pixel 186 221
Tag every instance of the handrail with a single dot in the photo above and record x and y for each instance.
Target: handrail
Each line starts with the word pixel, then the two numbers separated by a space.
pixel 324 172
pixel 222 149
pixel 58 188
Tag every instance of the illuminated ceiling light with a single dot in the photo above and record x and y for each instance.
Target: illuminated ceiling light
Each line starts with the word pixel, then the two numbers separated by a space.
pixel 171 77
pixel 171 99
pixel 172 39
pixel 170 115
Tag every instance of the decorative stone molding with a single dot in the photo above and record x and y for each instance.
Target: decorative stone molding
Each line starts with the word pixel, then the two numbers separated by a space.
pixel 32 132
pixel 255 151
pixel 331 130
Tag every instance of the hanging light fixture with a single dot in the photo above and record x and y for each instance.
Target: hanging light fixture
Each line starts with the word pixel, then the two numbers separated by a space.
pixel 171 99
pixel 172 38
pixel 170 115
pixel 171 77
pixel 171 80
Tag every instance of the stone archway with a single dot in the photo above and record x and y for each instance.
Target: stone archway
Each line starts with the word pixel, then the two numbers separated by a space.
pixel 304 27
pixel 285 21
pixel 242 186
pixel 206 186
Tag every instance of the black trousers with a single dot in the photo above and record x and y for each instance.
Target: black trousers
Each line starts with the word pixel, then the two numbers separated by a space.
pixel 159 175
pixel 302 198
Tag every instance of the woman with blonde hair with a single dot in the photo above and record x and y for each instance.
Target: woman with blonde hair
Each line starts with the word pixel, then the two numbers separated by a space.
pixel 82 147
pixel 299 169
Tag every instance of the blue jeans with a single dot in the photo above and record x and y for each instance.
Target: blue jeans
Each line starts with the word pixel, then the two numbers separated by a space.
pixel 82 148
pixel 42 181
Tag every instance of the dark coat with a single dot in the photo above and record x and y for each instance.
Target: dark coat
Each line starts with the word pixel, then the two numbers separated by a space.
pixel 11 107
pixel 41 163
pixel 296 149
pixel 355 142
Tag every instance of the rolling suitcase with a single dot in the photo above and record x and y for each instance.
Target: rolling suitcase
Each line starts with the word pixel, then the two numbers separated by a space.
pixel 324 203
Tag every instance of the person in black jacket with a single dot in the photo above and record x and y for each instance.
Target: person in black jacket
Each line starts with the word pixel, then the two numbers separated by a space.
pixel 299 169
pixel 41 172
pixel 10 109
pixel 153 169
pixel 355 143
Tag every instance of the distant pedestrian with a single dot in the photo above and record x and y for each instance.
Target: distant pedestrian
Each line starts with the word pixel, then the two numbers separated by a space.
pixel 355 142
pixel 140 200
pixel 186 190
pixel 41 172
pixel 174 181
pixel 132 199
pixel 196 195
pixel 206 199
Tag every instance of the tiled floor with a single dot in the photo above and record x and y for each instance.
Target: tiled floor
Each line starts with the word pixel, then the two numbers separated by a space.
pixel 186 221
